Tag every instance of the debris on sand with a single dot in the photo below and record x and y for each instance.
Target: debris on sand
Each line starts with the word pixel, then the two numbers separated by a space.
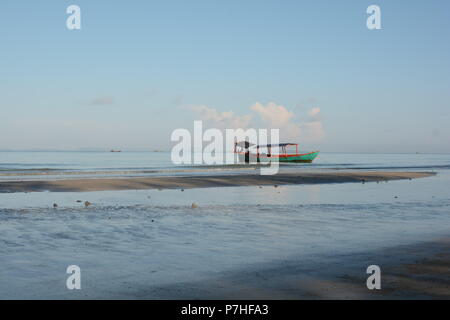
pixel 275 186
pixel 79 201
pixel 182 190
pixel 194 205
pixel 87 203
pixel 55 205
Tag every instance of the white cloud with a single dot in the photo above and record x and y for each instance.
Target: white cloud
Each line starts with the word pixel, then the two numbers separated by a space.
pixel 312 131
pixel 276 116
pixel 313 128
pixel 270 116
pixel 222 120
pixel 314 113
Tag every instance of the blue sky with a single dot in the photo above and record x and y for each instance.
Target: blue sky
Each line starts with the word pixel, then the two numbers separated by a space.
pixel 136 69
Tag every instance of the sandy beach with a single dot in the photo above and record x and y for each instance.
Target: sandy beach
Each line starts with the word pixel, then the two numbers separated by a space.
pixel 141 183
pixel 312 237
pixel 417 271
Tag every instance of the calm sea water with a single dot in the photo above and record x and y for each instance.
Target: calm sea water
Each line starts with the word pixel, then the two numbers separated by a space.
pixel 129 242
pixel 54 165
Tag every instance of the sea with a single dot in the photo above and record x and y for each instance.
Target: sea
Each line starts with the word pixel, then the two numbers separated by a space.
pixel 66 165
pixel 143 243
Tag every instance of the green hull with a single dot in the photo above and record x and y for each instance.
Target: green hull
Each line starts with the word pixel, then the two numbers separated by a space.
pixel 297 158
pixel 307 158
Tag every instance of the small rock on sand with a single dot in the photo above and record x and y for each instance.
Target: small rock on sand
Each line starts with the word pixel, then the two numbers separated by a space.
pixel 79 201
pixel 87 203
pixel 194 205
pixel 55 205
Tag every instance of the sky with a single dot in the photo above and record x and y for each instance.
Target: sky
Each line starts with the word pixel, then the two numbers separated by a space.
pixel 137 70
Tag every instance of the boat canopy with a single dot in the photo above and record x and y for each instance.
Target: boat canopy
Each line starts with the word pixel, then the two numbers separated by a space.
pixel 276 145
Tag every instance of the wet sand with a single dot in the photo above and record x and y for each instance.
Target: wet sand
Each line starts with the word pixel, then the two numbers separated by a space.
pixel 140 183
pixel 418 271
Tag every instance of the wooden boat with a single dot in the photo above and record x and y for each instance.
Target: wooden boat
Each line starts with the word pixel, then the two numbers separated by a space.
pixel 249 152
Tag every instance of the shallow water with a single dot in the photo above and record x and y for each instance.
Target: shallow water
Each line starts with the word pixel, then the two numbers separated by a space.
pixel 129 240
pixel 63 165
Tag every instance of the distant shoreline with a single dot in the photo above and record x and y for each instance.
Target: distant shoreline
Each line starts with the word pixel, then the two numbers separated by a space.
pixel 141 183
